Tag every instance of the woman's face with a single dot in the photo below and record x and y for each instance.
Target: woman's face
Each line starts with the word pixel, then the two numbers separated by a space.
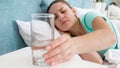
pixel 64 16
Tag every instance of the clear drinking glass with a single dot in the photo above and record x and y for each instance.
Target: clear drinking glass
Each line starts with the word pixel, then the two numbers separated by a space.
pixel 42 33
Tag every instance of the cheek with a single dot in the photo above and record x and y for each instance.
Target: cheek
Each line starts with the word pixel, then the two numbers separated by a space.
pixel 57 24
pixel 72 18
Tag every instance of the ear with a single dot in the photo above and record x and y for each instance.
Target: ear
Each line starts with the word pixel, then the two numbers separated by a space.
pixel 74 11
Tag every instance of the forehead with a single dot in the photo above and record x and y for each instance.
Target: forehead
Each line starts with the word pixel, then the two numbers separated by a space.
pixel 57 6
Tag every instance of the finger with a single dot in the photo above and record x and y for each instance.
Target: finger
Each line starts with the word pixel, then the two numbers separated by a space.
pixel 63 59
pixel 57 50
pixel 58 56
pixel 56 42
pixel 66 58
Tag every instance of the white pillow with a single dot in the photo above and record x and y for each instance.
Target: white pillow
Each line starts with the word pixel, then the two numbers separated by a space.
pixel 82 11
pixel 24 30
pixel 113 56
pixel 114 11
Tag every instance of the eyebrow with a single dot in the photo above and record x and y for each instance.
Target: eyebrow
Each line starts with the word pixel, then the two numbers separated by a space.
pixel 59 10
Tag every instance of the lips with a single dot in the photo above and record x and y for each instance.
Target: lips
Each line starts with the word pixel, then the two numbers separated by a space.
pixel 64 22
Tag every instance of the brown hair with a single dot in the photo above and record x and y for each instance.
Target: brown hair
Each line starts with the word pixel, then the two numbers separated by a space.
pixel 56 1
pixel 113 3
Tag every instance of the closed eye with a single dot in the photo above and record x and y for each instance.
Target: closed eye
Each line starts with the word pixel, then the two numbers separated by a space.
pixel 63 11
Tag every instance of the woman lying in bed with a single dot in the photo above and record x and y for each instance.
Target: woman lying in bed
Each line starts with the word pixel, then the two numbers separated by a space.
pixel 89 35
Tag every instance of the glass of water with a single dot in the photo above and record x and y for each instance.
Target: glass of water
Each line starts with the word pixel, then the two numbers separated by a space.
pixel 42 33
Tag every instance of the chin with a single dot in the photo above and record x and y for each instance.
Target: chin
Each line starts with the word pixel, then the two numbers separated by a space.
pixel 64 29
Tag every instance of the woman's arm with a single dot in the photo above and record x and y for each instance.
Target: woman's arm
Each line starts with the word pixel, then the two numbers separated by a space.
pixel 102 37
pixel 92 56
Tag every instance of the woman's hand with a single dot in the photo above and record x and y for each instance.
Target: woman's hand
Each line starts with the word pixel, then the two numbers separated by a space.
pixel 60 50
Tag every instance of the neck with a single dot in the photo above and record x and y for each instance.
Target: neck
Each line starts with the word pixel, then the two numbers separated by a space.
pixel 77 28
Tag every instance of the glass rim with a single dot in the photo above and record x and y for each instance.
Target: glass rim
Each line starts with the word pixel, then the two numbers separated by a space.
pixel 42 15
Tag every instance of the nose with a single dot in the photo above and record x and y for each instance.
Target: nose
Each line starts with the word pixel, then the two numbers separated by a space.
pixel 61 16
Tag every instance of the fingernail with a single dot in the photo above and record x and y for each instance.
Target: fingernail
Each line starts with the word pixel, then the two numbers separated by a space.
pixel 48 48
pixel 52 64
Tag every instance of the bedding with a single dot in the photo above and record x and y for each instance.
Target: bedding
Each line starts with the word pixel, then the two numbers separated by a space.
pixel 113 56
pixel 114 11
pixel 24 30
